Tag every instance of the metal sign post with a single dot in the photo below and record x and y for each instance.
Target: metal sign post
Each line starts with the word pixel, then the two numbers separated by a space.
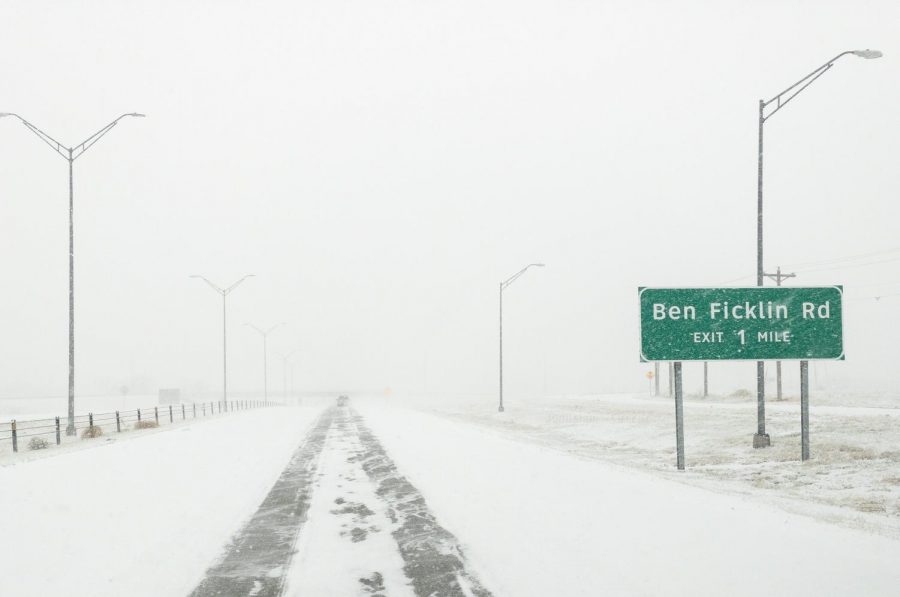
pixel 679 418
pixel 804 410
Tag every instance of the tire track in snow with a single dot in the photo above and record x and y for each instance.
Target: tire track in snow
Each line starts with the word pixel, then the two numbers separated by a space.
pixel 434 561
pixel 257 557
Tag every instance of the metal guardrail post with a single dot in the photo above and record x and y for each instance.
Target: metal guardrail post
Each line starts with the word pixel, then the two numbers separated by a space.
pixel 15 436
pixel 91 422
pixel 156 414
pixel 139 415
pixel 183 416
pixel 195 410
pixel 171 419
pixel 118 423
pixel 57 431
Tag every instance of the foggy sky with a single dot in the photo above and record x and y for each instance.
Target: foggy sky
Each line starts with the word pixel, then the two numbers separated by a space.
pixel 382 166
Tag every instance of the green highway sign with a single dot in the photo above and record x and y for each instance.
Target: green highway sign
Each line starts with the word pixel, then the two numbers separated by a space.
pixel 757 323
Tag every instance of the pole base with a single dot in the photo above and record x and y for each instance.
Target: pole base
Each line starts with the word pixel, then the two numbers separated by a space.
pixel 70 430
pixel 500 410
pixel 761 440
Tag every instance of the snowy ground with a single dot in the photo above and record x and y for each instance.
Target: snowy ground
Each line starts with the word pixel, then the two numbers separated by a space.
pixel 853 477
pixel 538 521
pixel 575 498
pixel 144 517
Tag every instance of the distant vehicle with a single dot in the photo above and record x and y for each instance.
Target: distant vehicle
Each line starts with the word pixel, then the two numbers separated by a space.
pixel 342 400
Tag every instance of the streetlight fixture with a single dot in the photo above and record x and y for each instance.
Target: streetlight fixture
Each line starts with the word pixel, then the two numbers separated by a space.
pixel 265 333
pixel 224 292
pixel 71 154
pixel 503 286
pixel 761 439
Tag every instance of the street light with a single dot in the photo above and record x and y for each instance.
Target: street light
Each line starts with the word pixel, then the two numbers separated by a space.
pixel 503 286
pixel 224 292
pixel 264 334
pixel 71 154
pixel 761 439
pixel 284 373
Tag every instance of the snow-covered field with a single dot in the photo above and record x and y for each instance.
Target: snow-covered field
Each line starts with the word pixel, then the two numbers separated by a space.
pixel 853 477
pixel 144 517
pixel 538 521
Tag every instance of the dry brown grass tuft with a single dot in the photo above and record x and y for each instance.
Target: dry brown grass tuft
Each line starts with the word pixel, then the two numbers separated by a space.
pixel 91 432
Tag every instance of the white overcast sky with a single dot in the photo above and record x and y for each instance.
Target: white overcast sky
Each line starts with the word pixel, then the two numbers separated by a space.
pixel 381 166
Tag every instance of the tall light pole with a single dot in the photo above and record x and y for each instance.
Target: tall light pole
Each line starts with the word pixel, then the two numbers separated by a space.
pixel 761 438
pixel 224 292
pixel 503 286
pixel 265 333
pixel 71 154
pixel 284 373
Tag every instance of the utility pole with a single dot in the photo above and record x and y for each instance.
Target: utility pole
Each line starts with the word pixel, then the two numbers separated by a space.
pixel 779 277
pixel 71 154
pixel 656 377
pixel 671 379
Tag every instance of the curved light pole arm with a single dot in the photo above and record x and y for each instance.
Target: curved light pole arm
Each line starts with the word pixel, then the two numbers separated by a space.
pixel 806 81
pixel 78 150
pixel 267 331
pixel 517 275
pixel 274 327
pixel 53 143
pixel 236 284
pixel 213 286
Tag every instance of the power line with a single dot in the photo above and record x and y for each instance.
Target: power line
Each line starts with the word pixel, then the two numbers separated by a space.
pixel 851 266
pixel 846 258
pixel 827 269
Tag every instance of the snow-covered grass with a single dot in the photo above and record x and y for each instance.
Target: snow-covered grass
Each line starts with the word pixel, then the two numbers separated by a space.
pixel 538 521
pixel 140 518
pixel 853 477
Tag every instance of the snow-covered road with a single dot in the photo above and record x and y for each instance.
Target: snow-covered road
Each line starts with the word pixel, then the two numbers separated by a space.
pixel 382 500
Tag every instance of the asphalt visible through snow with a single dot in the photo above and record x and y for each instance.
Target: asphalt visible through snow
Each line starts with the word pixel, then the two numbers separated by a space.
pixel 342 520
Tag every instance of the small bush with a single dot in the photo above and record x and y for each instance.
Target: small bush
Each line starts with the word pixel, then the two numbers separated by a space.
pixel 145 424
pixel 38 443
pixel 91 432
pixel 742 393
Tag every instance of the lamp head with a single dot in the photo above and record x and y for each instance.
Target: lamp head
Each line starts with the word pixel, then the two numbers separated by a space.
pixel 867 54
pixel 137 115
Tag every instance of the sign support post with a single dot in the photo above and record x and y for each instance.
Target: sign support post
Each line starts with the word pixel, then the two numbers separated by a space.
pixel 804 410
pixel 679 417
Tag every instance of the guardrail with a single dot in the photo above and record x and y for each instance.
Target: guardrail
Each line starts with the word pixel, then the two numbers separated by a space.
pixel 94 425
